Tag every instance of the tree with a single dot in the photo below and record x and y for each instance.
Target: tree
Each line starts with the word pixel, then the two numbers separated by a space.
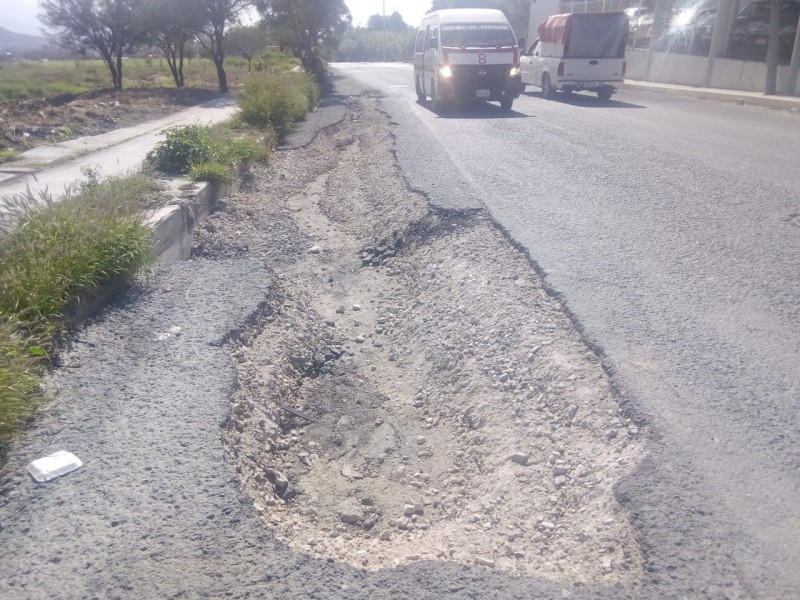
pixel 305 26
pixel 393 22
pixel 171 27
pixel 107 26
pixel 218 15
pixel 247 42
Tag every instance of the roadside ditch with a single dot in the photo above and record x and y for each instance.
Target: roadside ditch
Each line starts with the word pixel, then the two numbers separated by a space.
pixel 410 390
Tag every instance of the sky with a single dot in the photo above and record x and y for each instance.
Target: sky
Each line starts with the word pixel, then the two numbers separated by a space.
pixel 20 15
pixel 412 10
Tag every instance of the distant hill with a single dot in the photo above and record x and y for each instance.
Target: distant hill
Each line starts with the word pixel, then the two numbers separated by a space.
pixel 19 42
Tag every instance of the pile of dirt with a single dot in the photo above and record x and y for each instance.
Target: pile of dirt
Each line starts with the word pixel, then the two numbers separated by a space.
pixel 414 392
pixel 28 123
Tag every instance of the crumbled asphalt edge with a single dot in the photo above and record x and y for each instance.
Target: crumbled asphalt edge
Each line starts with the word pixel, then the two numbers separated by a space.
pixel 668 568
pixel 332 110
pixel 634 491
pixel 420 229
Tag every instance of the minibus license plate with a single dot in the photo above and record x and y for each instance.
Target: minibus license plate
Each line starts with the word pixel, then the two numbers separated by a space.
pixel 482 93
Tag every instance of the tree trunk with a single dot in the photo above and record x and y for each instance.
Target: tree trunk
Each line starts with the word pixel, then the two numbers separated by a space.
pixel 223 78
pixel 181 81
pixel 118 84
pixel 219 59
pixel 173 67
pixel 772 50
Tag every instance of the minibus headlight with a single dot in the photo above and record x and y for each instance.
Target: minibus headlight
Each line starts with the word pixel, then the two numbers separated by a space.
pixel 446 72
pixel 514 72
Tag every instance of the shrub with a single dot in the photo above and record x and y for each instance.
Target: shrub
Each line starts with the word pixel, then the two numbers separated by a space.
pixel 187 147
pixel 56 255
pixel 182 148
pixel 308 83
pixel 212 172
pixel 8 154
pixel 245 149
pixel 273 101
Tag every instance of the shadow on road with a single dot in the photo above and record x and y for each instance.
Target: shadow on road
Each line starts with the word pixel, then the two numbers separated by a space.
pixel 584 100
pixel 473 110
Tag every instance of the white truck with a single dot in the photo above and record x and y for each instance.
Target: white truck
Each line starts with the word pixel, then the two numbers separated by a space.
pixel 466 54
pixel 577 51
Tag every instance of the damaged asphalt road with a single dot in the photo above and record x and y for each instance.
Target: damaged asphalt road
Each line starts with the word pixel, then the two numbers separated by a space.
pixel 189 454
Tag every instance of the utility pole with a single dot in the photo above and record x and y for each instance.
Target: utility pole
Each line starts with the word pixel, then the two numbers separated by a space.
pixel 794 66
pixel 384 30
pixel 726 13
pixel 661 17
pixel 772 50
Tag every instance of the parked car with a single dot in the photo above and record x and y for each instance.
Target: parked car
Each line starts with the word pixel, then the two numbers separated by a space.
pixel 641 25
pixel 750 34
pixel 688 31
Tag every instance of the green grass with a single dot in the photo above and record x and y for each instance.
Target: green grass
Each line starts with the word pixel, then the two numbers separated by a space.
pixel 277 100
pixel 212 172
pixel 54 258
pixel 8 154
pixel 202 152
pixel 20 391
pixel 27 79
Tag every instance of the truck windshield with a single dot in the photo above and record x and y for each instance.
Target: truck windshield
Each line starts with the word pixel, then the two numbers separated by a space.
pixel 477 35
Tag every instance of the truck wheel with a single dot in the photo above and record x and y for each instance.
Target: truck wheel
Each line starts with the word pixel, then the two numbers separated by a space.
pixel 421 97
pixel 605 93
pixel 506 103
pixel 547 87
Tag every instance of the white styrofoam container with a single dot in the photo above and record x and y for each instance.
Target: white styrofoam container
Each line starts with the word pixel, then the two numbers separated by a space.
pixel 57 464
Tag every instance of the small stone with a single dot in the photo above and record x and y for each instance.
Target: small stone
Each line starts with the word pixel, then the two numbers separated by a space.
pixel 421 439
pixel 356 307
pixel 560 481
pixel 608 565
pixel 359 339
pixel 560 471
pixel 409 510
pixel 350 518
pixel 412 557
pixel 402 523
pixel 521 458
pixel 314 250
pixel 370 522
pixel 340 310
pixel 385 535
pixel 484 562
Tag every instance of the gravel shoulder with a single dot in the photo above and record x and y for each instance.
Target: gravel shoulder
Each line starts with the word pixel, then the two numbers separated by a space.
pixel 345 394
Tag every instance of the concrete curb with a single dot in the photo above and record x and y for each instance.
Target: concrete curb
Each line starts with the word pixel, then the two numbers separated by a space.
pixel 748 98
pixel 173 225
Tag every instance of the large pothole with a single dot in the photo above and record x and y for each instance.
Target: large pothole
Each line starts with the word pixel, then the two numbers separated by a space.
pixel 413 392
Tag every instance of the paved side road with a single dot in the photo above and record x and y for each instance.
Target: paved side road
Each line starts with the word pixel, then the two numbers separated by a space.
pixel 119 151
